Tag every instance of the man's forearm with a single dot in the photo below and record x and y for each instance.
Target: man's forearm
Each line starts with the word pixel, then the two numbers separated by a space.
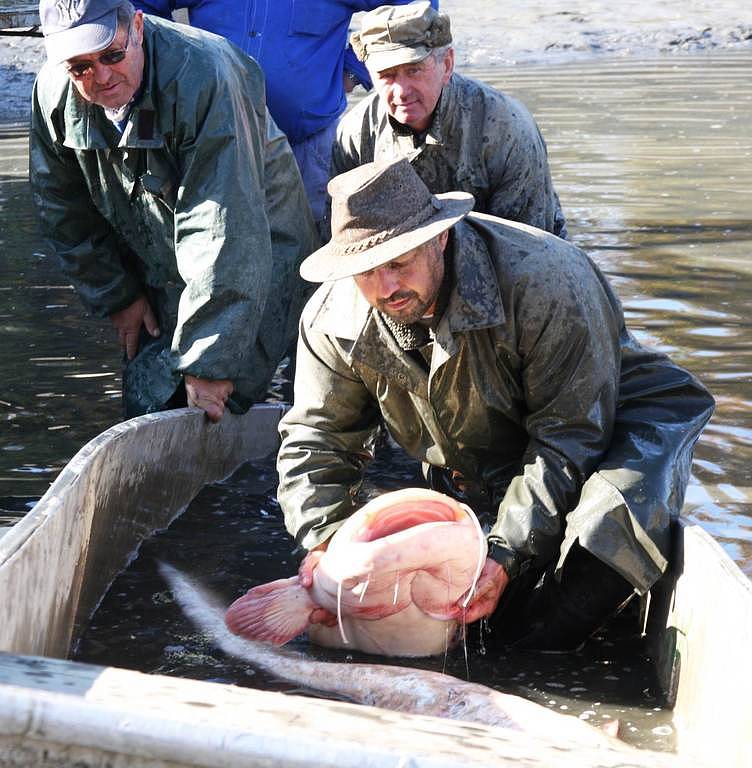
pixel 530 515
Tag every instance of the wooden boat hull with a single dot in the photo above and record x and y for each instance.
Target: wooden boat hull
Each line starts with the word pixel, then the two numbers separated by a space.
pixel 128 482
pixel 58 562
pixel 700 631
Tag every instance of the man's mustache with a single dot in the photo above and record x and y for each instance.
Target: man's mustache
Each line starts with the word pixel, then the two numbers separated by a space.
pixel 397 296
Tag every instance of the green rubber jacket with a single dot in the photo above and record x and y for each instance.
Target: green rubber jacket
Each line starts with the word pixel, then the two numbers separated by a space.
pixel 535 391
pixel 198 206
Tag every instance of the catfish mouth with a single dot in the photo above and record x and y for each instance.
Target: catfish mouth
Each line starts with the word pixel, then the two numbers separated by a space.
pixel 402 515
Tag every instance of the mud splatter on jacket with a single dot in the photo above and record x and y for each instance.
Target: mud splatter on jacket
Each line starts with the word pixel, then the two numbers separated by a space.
pixel 480 141
pixel 198 205
pixel 535 390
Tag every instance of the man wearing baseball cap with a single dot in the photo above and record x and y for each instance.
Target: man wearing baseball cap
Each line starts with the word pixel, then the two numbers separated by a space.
pixel 172 201
pixel 497 355
pixel 458 133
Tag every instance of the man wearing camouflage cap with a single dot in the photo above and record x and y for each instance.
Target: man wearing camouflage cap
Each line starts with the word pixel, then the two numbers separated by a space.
pixel 458 133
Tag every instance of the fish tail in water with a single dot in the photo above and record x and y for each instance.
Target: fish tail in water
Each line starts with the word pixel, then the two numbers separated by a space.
pixel 400 688
pixel 272 613
pixel 207 613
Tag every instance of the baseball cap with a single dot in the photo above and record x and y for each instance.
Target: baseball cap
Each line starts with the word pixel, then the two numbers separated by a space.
pixel 75 27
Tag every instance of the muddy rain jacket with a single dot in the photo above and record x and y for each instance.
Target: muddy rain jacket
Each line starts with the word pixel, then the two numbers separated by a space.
pixel 480 141
pixel 534 383
pixel 198 205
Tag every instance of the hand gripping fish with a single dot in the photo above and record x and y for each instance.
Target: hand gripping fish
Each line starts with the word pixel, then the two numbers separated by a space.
pixel 393 574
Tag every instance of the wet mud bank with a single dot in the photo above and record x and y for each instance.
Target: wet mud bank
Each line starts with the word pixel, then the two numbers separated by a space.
pixel 486 34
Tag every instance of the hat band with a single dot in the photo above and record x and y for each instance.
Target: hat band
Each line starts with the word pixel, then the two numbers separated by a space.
pixel 434 204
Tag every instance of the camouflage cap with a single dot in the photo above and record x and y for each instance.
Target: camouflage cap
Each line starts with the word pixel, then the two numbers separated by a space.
pixel 391 35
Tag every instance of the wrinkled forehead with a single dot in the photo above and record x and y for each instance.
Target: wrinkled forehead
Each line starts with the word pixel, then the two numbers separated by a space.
pixel 409 258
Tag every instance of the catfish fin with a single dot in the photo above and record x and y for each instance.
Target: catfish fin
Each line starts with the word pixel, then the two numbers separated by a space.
pixel 435 597
pixel 272 613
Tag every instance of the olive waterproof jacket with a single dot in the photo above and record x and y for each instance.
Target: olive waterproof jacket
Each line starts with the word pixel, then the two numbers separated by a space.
pixel 480 141
pixel 535 390
pixel 198 205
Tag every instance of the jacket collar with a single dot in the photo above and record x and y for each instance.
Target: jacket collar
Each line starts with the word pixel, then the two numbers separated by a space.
pixel 474 303
pixel 475 300
pixel 439 132
pixel 87 127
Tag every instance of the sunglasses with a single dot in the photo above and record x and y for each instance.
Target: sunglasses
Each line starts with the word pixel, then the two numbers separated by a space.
pixel 81 69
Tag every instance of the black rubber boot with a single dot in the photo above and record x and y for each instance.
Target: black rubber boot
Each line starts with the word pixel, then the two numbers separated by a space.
pixel 564 614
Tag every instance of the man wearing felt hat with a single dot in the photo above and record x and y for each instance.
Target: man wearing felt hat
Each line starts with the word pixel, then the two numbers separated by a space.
pixel 458 133
pixel 172 201
pixel 497 355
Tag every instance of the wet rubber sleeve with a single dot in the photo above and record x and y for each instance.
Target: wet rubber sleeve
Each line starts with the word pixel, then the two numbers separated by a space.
pixel 87 248
pixel 568 336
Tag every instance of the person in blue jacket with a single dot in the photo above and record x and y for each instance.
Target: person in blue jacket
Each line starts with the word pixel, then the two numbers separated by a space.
pixel 302 49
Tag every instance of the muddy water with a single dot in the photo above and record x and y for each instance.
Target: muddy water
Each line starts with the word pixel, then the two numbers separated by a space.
pixel 232 538
pixel 652 163
pixel 60 383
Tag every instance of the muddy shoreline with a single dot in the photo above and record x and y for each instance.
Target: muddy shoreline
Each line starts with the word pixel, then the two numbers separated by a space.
pixel 551 32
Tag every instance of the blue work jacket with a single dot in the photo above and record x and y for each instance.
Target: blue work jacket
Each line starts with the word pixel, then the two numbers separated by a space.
pixel 300 45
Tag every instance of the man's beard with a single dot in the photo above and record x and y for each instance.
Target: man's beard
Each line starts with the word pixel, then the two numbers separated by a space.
pixel 411 313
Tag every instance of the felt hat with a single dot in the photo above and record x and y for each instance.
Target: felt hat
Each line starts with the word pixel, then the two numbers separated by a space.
pixel 379 212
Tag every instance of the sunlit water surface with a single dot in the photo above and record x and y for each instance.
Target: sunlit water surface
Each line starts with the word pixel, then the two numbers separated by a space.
pixel 652 164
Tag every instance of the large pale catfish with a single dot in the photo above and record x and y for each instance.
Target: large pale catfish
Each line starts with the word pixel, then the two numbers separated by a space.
pixel 393 574
pixel 402 689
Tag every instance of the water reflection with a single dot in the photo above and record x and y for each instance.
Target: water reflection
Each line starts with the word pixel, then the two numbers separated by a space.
pixel 46 412
pixel 652 164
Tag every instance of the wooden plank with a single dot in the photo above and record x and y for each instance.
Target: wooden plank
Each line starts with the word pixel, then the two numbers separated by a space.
pixel 133 479
pixel 75 714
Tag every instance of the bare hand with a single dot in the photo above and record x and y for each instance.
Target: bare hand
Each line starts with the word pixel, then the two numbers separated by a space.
pixel 491 584
pixel 305 576
pixel 309 564
pixel 322 616
pixel 211 395
pixel 128 324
